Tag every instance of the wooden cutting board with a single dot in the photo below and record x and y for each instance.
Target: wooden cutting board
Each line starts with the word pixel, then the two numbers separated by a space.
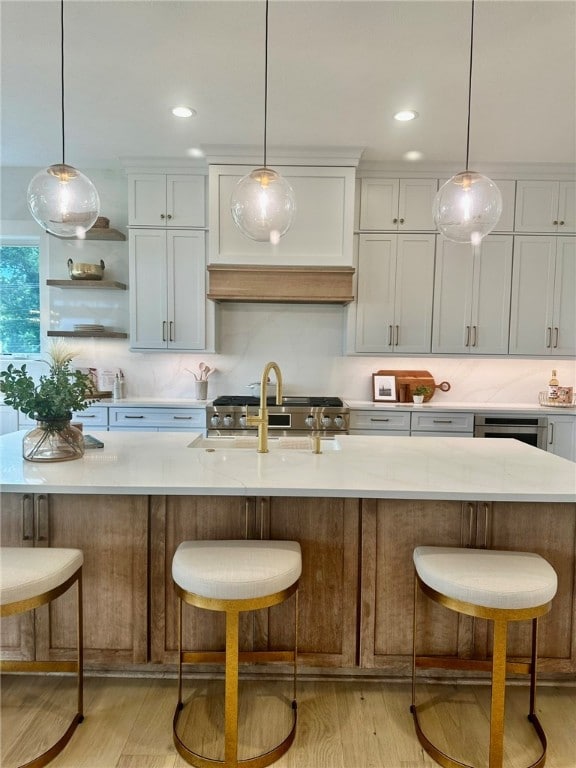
pixel 407 381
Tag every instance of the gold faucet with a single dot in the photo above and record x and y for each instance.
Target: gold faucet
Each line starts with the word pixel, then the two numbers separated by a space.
pixel 261 421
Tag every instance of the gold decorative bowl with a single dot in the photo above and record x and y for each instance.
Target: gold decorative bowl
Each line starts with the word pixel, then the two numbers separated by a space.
pixel 79 271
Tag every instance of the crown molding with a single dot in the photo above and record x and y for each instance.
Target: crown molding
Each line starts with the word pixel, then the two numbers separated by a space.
pixel 164 164
pixel 551 171
pixel 230 154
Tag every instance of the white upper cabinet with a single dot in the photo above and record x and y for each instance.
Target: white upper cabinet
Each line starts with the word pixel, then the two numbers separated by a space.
pixel 507 189
pixel 397 204
pixel 394 302
pixel 546 206
pixel 166 200
pixel 472 296
pixel 167 289
pixel 321 233
pixel 543 307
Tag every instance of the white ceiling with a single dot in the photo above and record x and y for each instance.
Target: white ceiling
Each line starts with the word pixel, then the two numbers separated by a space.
pixel 338 70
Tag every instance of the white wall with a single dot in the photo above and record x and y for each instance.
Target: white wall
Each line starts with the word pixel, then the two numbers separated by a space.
pixel 305 340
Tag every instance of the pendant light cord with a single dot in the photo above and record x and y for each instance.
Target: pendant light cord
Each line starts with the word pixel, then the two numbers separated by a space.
pixel 265 83
pixel 62 74
pixel 470 85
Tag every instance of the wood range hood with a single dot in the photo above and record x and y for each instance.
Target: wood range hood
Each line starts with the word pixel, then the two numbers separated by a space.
pixel 287 284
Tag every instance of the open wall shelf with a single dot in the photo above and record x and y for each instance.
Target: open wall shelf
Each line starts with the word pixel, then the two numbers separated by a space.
pixel 88 334
pixel 110 284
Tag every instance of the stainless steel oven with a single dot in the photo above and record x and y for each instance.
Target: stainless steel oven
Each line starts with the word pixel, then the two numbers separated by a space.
pixel 528 429
pixel 296 416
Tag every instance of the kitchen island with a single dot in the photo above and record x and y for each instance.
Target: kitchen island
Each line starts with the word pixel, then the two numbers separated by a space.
pixel 358 509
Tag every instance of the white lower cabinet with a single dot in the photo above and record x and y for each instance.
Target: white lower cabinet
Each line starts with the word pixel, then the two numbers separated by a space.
pixel 394 293
pixel 442 423
pixel 472 296
pixel 93 418
pixel 157 419
pixel 167 289
pixel 562 436
pixel 384 423
pixel 543 306
pixel 372 421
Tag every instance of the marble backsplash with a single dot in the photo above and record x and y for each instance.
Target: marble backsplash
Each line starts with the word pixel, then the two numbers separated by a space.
pixel 306 342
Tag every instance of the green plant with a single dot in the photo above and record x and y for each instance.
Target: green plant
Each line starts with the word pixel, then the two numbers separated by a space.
pixel 56 394
pixel 422 389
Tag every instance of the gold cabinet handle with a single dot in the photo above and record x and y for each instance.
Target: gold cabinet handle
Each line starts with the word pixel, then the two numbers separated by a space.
pixel 548 337
pixel 27 518
pixel 556 334
pixel 475 336
pixel 467 342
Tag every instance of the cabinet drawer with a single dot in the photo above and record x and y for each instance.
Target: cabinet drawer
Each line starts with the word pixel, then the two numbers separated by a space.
pixel 176 418
pixel 380 420
pixel 94 416
pixel 442 422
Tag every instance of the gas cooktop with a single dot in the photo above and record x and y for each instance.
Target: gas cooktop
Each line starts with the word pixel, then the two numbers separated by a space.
pixel 311 402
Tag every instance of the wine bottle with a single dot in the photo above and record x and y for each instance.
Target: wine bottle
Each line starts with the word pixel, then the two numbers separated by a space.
pixel 553 385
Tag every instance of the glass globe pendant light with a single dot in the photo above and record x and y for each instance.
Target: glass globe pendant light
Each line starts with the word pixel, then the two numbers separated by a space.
pixel 61 198
pixel 263 203
pixel 469 205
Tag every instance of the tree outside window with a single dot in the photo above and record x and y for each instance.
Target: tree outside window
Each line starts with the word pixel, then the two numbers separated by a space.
pixel 19 299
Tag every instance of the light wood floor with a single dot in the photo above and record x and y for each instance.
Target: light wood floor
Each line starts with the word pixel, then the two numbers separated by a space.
pixel 341 724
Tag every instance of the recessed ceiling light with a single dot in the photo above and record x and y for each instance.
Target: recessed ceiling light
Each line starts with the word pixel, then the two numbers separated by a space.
pixel 405 114
pixel 195 152
pixel 413 155
pixel 183 112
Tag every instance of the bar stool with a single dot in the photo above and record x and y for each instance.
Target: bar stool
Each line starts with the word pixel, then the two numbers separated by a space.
pixel 489 584
pixel 232 577
pixel 30 578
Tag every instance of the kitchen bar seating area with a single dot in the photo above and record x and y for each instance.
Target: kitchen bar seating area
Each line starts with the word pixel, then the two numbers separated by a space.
pixel 357 509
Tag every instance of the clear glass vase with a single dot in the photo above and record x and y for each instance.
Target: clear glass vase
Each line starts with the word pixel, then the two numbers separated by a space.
pixel 53 440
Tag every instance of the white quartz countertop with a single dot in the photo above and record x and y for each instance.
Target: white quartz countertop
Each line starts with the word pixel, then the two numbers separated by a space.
pixel 349 466
pixel 480 407
pixel 432 405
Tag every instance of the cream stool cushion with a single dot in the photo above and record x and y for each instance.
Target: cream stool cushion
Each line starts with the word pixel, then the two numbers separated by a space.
pixel 26 572
pixel 236 570
pixel 490 578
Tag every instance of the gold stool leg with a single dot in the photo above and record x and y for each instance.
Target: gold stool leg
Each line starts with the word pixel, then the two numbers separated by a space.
pixel 231 690
pixel 80 642
pixel 500 631
pixel 532 716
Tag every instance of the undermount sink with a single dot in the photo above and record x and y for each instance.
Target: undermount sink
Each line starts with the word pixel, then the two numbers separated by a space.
pixel 249 443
